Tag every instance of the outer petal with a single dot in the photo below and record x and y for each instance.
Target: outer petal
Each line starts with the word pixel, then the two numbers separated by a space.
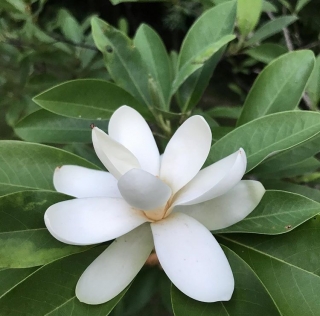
pixel 91 220
pixel 229 208
pixel 214 180
pixel 186 152
pixel 143 190
pixel 192 258
pixel 130 129
pixel 116 158
pixel 82 182
pixel 116 267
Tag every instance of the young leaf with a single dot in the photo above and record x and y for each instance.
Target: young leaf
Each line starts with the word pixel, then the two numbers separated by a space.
pixel 249 297
pixel 279 87
pixel 87 99
pixel 267 52
pixel 209 28
pixel 278 212
pixel 271 28
pixel 248 15
pixel 156 59
pixel 122 60
pixel 267 136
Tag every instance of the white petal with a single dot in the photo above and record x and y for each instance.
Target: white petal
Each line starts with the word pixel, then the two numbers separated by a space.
pixel 91 220
pixel 186 152
pixel 214 180
pixel 192 258
pixel 130 129
pixel 82 182
pixel 229 208
pixel 116 267
pixel 143 190
pixel 116 158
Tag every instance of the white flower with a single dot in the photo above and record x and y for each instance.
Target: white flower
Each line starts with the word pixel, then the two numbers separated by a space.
pixel 148 202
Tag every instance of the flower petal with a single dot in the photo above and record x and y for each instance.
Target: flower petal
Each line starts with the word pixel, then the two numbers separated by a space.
pixel 192 258
pixel 83 182
pixel 116 158
pixel 229 208
pixel 143 190
pixel 130 129
pixel 186 152
pixel 116 267
pixel 91 220
pixel 214 180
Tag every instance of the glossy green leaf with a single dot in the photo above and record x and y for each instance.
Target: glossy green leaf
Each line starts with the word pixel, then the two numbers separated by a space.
pixel 31 166
pixel 279 87
pixel 249 297
pixel 291 157
pixel 209 28
pixel 156 59
pixel 50 290
pixel 267 52
pixel 46 127
pixel 310 193
pixel 267 136
pixel 198 61
pixel 225 112
pixel 248 14
pixel 313 87
pixel 277 213
pixel 123 60
pixel 24 238
pixel 287 265
pixel 87 99
pixel 270 28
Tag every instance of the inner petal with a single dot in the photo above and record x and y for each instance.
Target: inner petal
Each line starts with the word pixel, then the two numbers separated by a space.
pixel 143 190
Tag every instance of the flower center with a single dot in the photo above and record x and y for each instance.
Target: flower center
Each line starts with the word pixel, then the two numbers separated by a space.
pixel 159 213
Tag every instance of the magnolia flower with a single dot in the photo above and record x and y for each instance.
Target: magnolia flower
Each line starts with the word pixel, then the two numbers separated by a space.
pixel 148 202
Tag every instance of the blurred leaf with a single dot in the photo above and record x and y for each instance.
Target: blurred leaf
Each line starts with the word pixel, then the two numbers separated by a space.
pixel 30 166
pixel 51 290
pixel 279 87
pixel 313 87
pixel 225 112
pixel 24 238
pixel 248 15
pixel 267 52
pixel 287 265
pixel 45 127
pixel 198 61
pixel 87 99
pixel 203 33
pixel 267 136
pixel 301 4
pixel 278 212
pixel 123 60
pixel 156 59
pixel 310 193
pixel 267 6
pixel 70 27
pixel 220 131
pixel 249 297
pixel 14 5
pixel 270 28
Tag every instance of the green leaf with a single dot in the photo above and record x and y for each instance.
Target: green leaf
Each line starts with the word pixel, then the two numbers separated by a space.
pixel 249 297
pixel 289 158
pixel 50 290
pixel 122 60
pixel 87 99
pixel 70 27
pixel 248 15
pixel 225 112
pixel 310 193
pixel 270 28
pixel 24 238
pixel 46 127
pixel 268 7
pixel 277 213
pixel 279 87
pixel 287 265
pixel 209 28
pixel 267 136
pixel 220 131
pixel 156 59
pixel 198 61
pixel 267 52
pixel 31 166
pixel 313 87
pixel 301 4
